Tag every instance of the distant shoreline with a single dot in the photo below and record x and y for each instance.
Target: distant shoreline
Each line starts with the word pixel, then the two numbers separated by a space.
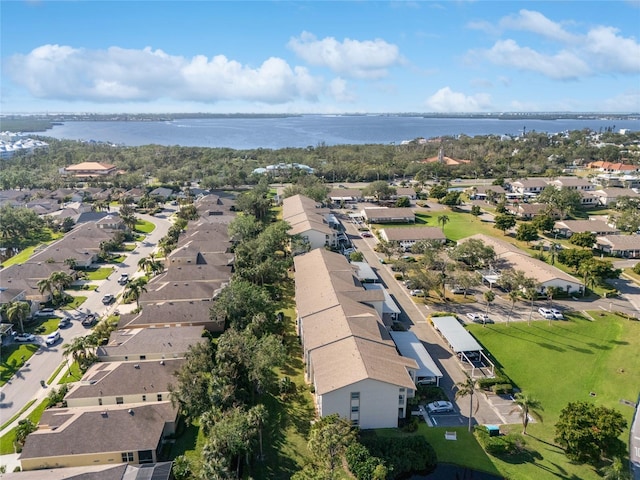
pixel 44 122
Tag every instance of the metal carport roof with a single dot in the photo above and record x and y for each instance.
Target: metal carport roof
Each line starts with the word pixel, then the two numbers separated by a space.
pixel 456 336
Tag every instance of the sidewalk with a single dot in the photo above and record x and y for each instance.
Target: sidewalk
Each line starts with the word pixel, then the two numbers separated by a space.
pixel 11 461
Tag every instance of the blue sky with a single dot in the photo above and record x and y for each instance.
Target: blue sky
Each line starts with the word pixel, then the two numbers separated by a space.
pixel 320 56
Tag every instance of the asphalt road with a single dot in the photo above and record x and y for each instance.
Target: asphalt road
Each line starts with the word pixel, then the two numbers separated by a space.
pixel 25 384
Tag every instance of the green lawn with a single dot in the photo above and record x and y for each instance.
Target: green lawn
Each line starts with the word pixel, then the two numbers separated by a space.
pixel 73 373
pixel 8 439
pixel 562 362
pixel 98 273
pixel 143 226
pixel 11 359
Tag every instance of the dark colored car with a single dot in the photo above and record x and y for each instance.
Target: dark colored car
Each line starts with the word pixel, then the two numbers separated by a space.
pixel 89 320
pixel 64 323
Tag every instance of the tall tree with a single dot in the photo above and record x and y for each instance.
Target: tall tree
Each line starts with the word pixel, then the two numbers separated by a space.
pixel 467 388
pixel 135 288
pixel 328 439
pixel 443 220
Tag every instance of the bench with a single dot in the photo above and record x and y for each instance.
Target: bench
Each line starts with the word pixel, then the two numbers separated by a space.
pixel 451 435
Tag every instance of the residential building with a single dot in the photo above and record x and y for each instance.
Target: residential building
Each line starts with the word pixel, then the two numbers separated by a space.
pixel 90 169
pixel 509 257
pixel 312 224
pixel 608 197
pixel 410 346
pixel 346 195
pixel 99 435
pixel 626 246
pixel 388 215
pixel 407 237
pixel 574 183
pixel 482 192
pixel 611 167
pixel 529 187
pixel 149 343
pixel 124 383
pixel 526 211
pixel 598 227
pixel 350 357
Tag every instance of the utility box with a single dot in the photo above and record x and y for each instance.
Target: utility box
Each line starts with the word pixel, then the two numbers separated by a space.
pixel 493 430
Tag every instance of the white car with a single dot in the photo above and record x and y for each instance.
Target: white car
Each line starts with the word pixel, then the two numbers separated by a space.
pixel 478 317
pixel 417 293
pixel 45 312
pixel 546 313
pixel 440 406
pixel 25 337
pixel 557 314
pixel 52 338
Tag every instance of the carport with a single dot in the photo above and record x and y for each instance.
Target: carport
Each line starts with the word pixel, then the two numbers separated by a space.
pixel 460 341
pixel 410 346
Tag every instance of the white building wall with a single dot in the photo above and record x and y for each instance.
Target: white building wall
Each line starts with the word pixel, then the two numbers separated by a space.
pixel 316 239
pixel 377 407
pixel 562 284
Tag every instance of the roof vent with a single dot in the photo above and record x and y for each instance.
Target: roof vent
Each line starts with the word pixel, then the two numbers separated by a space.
pixel 130 411
pixel 136 366
pixel 161 362
pixel 104 414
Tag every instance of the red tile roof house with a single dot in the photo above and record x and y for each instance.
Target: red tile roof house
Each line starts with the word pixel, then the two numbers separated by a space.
pixel 610 167
pixel 91 169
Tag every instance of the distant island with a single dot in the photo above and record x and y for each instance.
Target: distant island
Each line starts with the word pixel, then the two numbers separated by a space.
pixel 43 122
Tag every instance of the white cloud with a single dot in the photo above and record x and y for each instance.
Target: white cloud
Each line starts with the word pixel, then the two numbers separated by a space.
pixel 562 65
pixel 612 53
pixel 446 100
pixel 351 58
pixel 535 22
pixel 338 89
pixel 117 74
pixel 598 51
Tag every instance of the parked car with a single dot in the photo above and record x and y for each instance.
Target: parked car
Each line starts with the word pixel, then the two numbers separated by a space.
pixel 366 235
pixel 108 299
pixel 479 317
pixel 416 293
pixel 440 406
pixel 52 338
pixel 25 337
pixel 124 279
pixel 557 314
pixel 456 289
pixel 546 313
pixel 89 320
pixel 45 312
pixel 64 323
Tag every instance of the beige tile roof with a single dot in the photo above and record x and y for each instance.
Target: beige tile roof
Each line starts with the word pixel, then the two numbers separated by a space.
pixel 344 335
pixel 577 226
pixel 620 242
pixel 345 362
pixel 87 166
pixel 510 256
pixel 170 341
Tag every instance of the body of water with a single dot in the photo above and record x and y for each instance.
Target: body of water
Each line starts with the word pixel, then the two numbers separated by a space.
pixel 311 130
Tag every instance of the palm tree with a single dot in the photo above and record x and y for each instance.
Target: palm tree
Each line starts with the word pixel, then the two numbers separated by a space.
pixel 527 405
pixel 513 296
pixel 135 289
pixel 553 252
pixel 17 313
pixel 46 285
pixel 464 389
pixel 489 297
pixel 443 219
pixel 257 417
pixel 616 471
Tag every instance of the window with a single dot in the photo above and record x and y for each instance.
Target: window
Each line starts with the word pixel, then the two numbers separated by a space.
pixel 144 398
pixel 143 357
pixel 127 456
pixel 119 400
pixel 401 399
pixel 355 395
pixel 355 409
pixel 99 401
pixel 159 397
pixel 145 456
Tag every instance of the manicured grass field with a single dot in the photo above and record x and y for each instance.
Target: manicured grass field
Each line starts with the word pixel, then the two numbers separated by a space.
pixel 98 274
pixel 143 226
pixel 578 359
pixel 11 359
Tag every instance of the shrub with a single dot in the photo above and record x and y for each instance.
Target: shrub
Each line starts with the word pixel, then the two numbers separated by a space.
pixel 402 455
pixel 430 393
pixel 398 276
pixel 361 463
pixel 636 268
pixel 502 445
pixel 488 383
pixel 502 388
pixel 411 425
